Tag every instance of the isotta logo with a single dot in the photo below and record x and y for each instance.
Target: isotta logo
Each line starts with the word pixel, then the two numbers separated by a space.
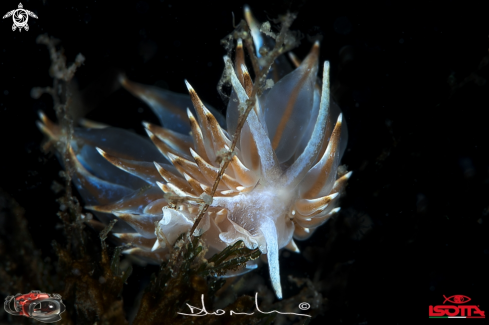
pixel 456 311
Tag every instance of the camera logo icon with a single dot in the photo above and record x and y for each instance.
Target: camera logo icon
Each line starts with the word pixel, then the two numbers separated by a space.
pixel 43 307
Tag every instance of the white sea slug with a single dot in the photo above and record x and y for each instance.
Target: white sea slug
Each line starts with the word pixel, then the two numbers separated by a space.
pixel 280 185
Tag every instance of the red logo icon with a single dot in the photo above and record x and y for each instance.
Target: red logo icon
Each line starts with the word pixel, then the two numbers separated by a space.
pixel 456 311
pixel 457 299
pixel 40 306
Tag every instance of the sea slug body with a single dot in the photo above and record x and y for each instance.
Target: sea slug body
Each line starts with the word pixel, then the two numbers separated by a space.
pixel 282 181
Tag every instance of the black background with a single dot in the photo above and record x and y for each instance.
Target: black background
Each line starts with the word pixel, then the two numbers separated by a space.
pixel 418 148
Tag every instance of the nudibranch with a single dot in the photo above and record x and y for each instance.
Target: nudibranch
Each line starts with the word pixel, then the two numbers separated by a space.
pixel 282 181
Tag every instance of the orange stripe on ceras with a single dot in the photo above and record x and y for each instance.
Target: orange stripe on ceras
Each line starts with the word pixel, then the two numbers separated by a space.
pixel 307 206
pixel 320 182
pixel 299 215
pixel 155 207
pixel 242 173
pixel 310 60
pixel 168 136
pixel 327 134
pixel 248 84
pixel 188 167
pixel 199 106
pixel 127 204
pixel 197 136
pixel 255 159
pixel 158 255
pixel 245 80
pixel 161 145
pixel 169 177
pixel 209 171
pixel 194 184
pixel 239 60
pixel 48 127
pixel 140 91
pixel 314 222
pixel 301 232
pixel 295 60
pixel 140 224
pixel 140 241
pixel 216 132
pixel 340 183
pixel 129 165
pixel 174 109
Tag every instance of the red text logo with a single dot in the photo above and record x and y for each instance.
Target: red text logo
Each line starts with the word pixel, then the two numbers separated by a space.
pixel 456 311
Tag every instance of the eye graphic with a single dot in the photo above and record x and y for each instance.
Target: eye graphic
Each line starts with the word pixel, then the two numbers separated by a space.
pixel 457 299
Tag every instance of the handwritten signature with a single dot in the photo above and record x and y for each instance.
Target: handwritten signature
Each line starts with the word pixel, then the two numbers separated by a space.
pixel 203 312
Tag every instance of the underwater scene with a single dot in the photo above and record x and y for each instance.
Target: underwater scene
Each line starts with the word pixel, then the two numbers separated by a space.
pixel 280 162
